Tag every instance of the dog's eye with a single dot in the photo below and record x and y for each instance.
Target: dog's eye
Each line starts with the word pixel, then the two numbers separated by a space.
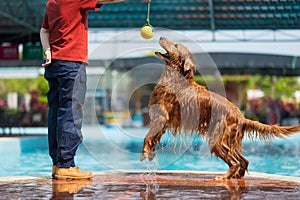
pixel 176 45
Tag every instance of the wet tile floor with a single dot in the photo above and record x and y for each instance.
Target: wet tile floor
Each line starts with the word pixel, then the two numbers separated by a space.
pixel 150 185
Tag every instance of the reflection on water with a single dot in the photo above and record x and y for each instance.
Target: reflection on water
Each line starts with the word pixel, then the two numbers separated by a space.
pixel 66 189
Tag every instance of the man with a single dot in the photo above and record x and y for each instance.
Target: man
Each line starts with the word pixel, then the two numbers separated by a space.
pixel 64 38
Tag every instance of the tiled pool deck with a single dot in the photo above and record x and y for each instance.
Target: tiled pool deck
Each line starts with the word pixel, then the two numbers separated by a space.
pixel 152 185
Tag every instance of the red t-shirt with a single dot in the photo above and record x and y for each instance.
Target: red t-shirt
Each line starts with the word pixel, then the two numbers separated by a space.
pixel 67 23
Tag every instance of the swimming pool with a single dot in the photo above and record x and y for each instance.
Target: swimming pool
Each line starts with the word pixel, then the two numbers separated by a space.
pixel 119 149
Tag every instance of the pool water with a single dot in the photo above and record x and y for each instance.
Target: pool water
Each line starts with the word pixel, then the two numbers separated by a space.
pixel 119 149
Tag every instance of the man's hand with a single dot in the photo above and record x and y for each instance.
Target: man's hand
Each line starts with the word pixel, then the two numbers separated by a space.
pixel 47 57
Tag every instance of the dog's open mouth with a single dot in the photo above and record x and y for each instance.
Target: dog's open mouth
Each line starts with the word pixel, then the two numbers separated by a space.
pixel 161 54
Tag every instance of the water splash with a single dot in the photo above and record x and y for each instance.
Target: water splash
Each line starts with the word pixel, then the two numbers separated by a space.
pixel 150 177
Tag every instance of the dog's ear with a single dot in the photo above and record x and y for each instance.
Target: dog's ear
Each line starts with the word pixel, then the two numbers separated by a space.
pixel 189 65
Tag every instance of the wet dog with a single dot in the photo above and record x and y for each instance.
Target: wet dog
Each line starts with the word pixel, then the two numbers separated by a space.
pixel 179 104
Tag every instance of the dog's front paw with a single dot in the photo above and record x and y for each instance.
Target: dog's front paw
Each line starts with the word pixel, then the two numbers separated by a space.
pixel 143 156
pixel 149 150
pixel 151 155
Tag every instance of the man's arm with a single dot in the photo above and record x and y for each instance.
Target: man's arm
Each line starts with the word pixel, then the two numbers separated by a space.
pixel 44 35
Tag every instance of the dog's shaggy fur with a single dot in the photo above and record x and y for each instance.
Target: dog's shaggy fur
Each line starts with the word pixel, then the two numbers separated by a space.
pixel 179 104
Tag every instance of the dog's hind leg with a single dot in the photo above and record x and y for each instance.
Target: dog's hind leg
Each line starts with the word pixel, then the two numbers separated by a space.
pixel 152 138
pixel 223 151
pixel 218 143
pixel 225 148
pixel 233 164
pixel 243 166
pixel 237 147
pixel 237 163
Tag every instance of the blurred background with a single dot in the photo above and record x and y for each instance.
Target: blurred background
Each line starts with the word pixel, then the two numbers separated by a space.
pixel 255 45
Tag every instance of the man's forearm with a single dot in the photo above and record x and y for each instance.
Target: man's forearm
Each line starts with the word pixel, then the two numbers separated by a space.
pixel 44 35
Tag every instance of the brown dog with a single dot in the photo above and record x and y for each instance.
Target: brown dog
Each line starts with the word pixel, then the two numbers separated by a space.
pixel 179 104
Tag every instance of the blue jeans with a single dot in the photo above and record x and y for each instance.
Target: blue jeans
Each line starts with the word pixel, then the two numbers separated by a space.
pixel 67 82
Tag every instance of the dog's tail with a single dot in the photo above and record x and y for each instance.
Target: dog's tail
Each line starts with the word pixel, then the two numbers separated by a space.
pixel 265 132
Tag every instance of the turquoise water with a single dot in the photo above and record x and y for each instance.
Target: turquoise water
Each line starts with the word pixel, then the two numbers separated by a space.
pixel 119 149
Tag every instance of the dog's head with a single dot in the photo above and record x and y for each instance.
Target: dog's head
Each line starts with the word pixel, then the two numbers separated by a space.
pixel 177 56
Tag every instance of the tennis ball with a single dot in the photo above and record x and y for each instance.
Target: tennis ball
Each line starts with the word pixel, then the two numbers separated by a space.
pixel 147 32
